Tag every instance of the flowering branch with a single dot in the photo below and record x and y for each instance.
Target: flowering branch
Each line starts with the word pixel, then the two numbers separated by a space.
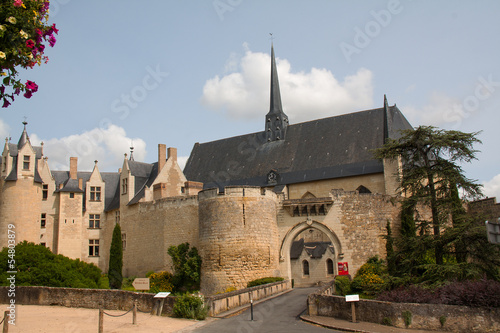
pixel 23 30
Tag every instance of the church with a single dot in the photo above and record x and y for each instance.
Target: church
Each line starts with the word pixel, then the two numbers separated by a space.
pixel 305 201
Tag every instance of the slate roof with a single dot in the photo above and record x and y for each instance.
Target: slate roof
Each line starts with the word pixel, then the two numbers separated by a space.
pixel 326 148
pixel 145 174
pixel 315 250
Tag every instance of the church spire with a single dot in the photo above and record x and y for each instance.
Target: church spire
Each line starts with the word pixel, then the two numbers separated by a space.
pixel 276 119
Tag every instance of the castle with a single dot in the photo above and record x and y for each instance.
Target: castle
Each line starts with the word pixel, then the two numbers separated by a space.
pixel 303 201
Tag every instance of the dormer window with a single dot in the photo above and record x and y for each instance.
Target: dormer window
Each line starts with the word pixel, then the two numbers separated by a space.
pixel 26 162
pixel 95 193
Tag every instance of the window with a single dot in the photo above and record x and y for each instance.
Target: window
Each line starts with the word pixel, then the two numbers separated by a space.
pixel 117 216
pixel 329 267
pixel 95 193
pixel 93 247
pixel 124 185
pixel 71 195
pixel 45 191
pixel 94 221
pixel 305 268
pixel 43 244
pixel 124 241
pixel 43 220
pixel 26 162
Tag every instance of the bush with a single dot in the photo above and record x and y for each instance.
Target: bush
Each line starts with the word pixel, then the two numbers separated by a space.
pixel 265 280
pixel 190 306
pixel 37 266
pixel 368 280
pixel 161 281
pixel 342 285
pixel 187 267
pixel 467 293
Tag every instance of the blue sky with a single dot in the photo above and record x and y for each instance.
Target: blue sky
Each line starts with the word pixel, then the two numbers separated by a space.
pixel 180 72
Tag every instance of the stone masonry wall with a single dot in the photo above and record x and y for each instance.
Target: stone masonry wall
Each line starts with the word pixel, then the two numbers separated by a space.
pixel 238 237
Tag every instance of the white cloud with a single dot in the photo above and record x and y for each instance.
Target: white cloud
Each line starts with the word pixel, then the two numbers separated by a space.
pixel 440 110
pixel 244 93
pixel 107 146
pixel 492 187
pixel 181 160
pixel 4 129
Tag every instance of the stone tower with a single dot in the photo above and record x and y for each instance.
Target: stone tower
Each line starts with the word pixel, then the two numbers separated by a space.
pixel 239 237
pixel 21 190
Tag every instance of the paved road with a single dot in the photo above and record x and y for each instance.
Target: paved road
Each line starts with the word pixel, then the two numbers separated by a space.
pixel 275 315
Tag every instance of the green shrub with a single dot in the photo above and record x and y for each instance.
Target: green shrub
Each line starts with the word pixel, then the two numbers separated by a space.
pixel 387 321
pixel 342 285
pixel 190 306
pixel 407 316
pixel 265 280
pixel 368 280
pixel 161 281
pixel 37 266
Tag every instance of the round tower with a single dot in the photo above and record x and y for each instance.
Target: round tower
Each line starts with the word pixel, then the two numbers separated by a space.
pixel 239 240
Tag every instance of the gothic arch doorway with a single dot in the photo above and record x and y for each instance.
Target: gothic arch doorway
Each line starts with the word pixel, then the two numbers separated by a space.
pixel 315 243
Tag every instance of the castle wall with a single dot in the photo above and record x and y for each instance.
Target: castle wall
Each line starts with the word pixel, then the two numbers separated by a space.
pixel 238 237
pixel 71 242
pixel 321 188
pixel 150 228
pixel 355 224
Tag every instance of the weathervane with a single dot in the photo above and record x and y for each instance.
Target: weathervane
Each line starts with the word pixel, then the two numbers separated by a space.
pixel 271 38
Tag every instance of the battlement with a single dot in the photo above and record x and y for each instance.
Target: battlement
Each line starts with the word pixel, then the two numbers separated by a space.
pixel 237 191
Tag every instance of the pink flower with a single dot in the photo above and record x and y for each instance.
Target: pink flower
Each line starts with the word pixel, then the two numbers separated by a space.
pixel 31 86
pixel 18 3
pixel 6 103
pixel 52 41
pixel 28 94
pixel 30 44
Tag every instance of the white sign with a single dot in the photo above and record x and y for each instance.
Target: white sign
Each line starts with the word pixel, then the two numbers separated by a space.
pixel 141 284
pixel 351 298
pixel 162 295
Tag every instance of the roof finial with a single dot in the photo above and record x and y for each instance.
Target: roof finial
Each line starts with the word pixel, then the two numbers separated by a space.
pixel 132 151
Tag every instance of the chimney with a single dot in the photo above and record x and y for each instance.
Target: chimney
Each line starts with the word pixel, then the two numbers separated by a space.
pixel 172 154
pixel 162 156
pixel 73 162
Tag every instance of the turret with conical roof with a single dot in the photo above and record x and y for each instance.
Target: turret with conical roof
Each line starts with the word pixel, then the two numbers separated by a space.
pixel 276 119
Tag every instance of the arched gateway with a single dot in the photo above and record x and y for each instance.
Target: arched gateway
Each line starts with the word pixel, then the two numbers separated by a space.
pixel 333 253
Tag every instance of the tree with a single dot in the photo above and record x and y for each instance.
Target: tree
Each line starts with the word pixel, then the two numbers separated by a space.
pixel 187 267
pixel 432 179
pixel 23 31
pixel 116 259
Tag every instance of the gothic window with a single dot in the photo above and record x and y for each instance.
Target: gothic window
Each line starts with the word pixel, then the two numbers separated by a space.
pixel 305 268
pixel 93 248
pixel 124 185
pixel 94 221
pixel 43 220
pixel 117 216
pixel 362 189
pixel 95 193
pixel 45 191
pixel 124 241
pixel 26 162
pixel 329 267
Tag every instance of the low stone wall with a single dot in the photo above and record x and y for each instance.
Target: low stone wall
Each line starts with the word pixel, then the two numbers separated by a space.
pixel 423 316
pixel 85 298
pixel 227 301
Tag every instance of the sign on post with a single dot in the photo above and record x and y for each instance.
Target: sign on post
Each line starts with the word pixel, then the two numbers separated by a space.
pixel 352 299
pixel 160 300
pixel 141 284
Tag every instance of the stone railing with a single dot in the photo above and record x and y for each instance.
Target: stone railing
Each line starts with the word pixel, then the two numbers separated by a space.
pixel 227 301
pixel 85 298
pixel 422 316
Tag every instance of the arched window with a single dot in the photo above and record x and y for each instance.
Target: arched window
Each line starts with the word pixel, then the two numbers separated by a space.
pixel 305 267
pixel 362 189
pixel 329 267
